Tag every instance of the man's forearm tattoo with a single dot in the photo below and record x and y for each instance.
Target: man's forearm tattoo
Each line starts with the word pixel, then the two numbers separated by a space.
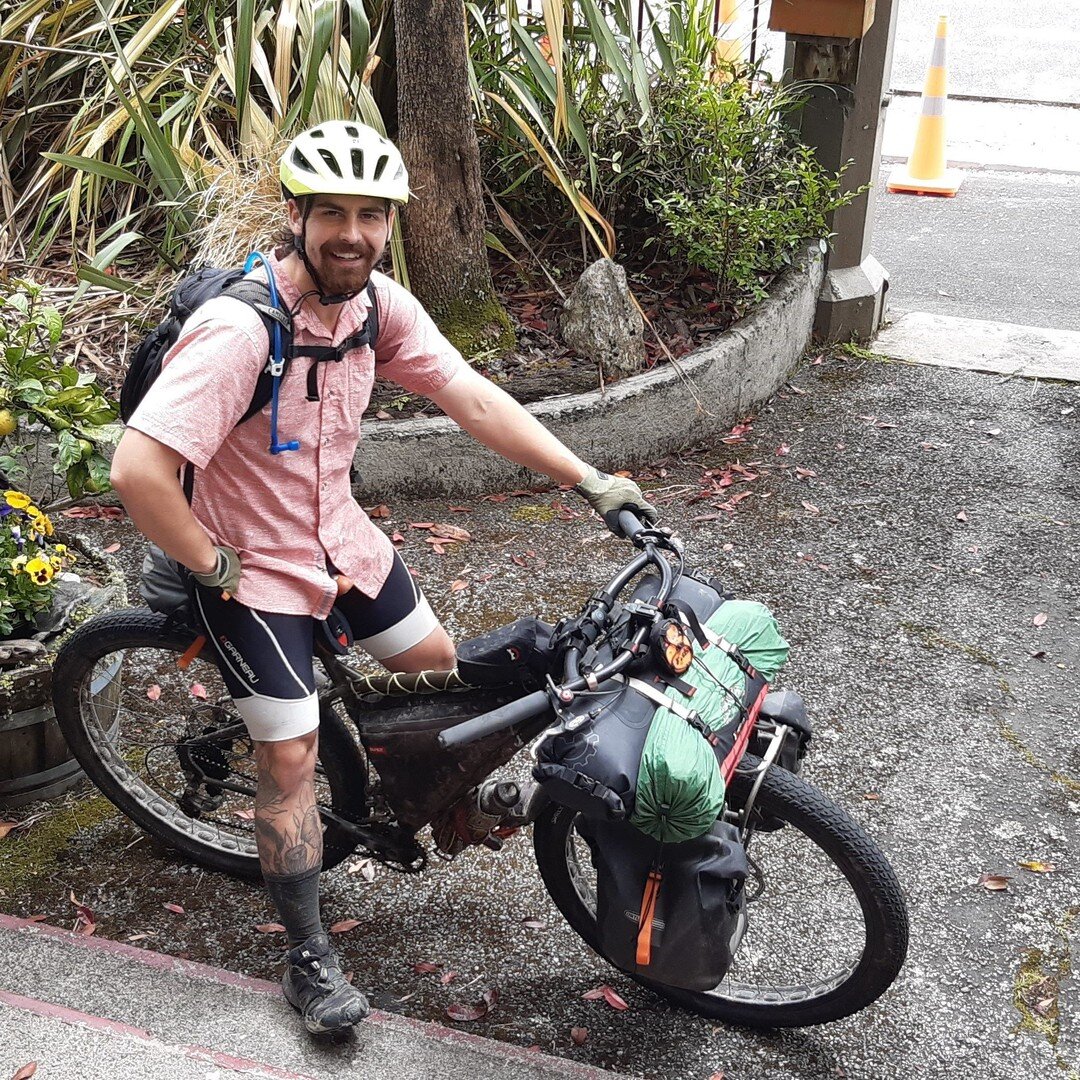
pixel 288 831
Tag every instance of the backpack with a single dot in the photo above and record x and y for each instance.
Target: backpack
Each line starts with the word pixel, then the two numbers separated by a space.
pixel 194 290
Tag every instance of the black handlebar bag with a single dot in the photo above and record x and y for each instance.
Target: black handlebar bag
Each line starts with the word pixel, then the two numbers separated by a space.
pixel 673 913
pixel 652 746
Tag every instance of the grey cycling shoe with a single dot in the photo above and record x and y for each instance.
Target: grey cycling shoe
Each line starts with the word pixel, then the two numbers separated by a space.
pixel 316 988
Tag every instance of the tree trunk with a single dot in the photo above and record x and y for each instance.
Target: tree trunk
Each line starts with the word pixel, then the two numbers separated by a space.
pixel 445 221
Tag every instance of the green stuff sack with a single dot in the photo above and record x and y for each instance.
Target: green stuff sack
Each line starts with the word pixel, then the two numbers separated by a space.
pixel 680 791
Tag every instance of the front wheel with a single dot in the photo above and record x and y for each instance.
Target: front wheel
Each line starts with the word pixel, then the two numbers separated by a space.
pixel 161 739
pixel 826 925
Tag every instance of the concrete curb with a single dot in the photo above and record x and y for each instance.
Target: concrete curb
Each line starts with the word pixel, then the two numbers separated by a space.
pixel 629 423
pixel 515 1059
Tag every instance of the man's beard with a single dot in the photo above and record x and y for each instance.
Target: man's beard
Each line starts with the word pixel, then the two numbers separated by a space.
pixel 337 277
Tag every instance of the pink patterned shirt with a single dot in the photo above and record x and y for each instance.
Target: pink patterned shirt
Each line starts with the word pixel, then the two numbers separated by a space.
pixel 286 513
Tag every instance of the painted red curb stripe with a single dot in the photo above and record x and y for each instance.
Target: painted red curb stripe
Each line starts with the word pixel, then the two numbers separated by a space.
pixel 424 1028
pixel 100 1023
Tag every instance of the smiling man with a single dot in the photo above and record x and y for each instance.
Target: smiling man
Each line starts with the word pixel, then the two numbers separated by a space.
pixel 273 539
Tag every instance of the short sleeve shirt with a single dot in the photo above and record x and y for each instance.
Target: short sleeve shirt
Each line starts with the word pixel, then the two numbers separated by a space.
pixel 287 513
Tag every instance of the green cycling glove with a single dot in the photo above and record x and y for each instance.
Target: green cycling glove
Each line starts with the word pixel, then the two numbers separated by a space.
pixel 607 495
pixel 226 575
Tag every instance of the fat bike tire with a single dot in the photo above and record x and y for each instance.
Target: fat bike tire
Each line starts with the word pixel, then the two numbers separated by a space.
pixel 99 742
pixel 805 812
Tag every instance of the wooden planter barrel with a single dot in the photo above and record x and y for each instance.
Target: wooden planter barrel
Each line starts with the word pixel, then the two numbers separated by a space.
pixel 35 762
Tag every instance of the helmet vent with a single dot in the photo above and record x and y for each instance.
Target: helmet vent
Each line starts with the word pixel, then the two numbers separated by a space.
pixel 317 133
pixel 331 162
pixel 351 130
pixel 380 165
pixel 358 163
pixel 302 162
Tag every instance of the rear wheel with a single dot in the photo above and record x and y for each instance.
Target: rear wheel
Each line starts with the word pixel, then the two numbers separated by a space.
pixel 826 926
pixel 166 746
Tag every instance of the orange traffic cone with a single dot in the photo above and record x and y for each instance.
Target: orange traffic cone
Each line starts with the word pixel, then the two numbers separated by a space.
pixel 727 48
pixel 925 172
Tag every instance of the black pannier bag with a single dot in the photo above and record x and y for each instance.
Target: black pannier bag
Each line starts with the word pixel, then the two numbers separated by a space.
pixel 512 655
pixel 673 913
pixel 592 761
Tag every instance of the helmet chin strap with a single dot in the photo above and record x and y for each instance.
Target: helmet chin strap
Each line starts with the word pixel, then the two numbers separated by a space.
pixel 300 244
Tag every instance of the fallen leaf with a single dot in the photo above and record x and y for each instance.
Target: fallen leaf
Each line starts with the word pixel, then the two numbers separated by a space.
pixel 1044 1007
pixel 270 928
pixel 458 585
pixel 350 976
pixel 420 524
pixel 717 1075
pixel 364 867
pixel 783 450
pixel 382 414
pixel 595 994
pixel 578 1035
pixel 534 924
pixel 85 929
pixel 451 532
pixel 396 537
pixel 490 997
pixel 447 977
pixel 994 432
pixel 1037 867
pixel 111 549
pixel 153 692
pixel 132 938
pixel 534 1049
pixel 380 511
pixel 425 967
pixel 498 498
pixel 176 909
pixel 872 796
pixel 1040 619
pixel 962 516
pixel 994 882
pixel 6 827
pixel 460 509
pixel 458 1011
pixel 245 815
pixel 613 999
pixel 811 508
pixel 804 474
pixel 198 690
pixel 519 560
pixel 884 424
pixel 344 926
pixel 25 1071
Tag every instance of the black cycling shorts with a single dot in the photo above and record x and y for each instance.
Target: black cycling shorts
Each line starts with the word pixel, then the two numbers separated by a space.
pixel 266 658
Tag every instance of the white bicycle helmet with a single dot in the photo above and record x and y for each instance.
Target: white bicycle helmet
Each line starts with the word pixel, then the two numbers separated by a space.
pixel 344 157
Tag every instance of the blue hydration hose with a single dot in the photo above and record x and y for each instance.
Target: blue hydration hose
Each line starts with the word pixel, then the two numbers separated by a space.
pixel 277 364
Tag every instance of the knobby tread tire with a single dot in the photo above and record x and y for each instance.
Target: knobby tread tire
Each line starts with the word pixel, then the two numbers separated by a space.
pixel 339 754
pixel 793 800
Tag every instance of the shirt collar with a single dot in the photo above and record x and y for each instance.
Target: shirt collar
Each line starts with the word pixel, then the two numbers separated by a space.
pixel 350 319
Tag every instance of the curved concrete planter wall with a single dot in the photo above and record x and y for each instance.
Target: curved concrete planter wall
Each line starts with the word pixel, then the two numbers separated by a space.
pixel 628 424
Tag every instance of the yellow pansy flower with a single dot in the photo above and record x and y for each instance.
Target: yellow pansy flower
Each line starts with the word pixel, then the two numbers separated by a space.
pixel 55 563
pixel 17 499
pixel 61 549
pixel 18 563
pixel 39 570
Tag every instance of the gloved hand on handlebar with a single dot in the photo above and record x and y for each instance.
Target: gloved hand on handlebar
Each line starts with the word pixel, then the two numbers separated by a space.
pixel 607 495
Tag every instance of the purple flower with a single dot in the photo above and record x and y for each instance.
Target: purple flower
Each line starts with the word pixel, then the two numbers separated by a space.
pixel 5 510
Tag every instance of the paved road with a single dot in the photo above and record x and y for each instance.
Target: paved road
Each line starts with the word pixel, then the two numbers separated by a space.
pixel 996 48
pixel 1004 249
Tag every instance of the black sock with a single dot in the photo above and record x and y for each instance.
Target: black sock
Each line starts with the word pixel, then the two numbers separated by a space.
pixel 296 897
